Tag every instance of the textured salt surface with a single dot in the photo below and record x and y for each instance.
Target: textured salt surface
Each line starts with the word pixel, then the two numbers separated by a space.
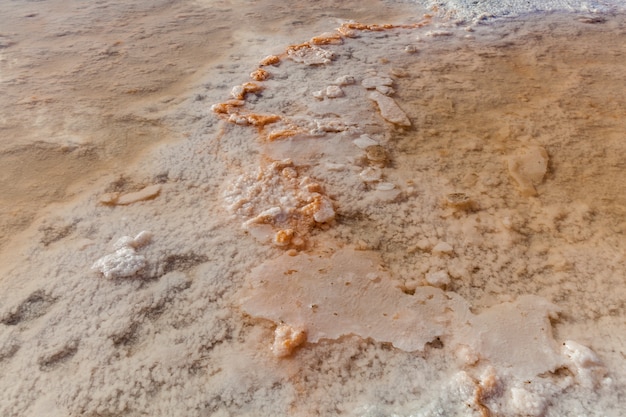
pixel 168 338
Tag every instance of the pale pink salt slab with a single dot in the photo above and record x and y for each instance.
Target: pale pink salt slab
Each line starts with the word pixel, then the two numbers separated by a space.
pixel 389 109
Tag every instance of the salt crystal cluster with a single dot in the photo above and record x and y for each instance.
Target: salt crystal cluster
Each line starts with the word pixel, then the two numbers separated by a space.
pixel 286 339
pixel 309 54
pixel 125 261
pixel 278 204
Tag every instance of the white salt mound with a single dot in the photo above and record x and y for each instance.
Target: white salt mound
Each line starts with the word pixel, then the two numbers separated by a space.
pixel 125 261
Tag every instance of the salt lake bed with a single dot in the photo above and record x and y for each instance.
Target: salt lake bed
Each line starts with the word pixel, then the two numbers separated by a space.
pixel 392 210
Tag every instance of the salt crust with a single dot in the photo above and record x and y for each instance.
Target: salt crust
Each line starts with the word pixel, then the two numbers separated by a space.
pixel 185 338
pixel 320 310
pixel 349 293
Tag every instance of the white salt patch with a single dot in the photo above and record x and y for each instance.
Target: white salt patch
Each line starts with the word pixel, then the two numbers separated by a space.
pixel 312 55
pixel 146 193
pixel 261 232
pixel 143 238
pixel 389 109
pixel 516 337
pixel 268 215
pixel 385 186
pixel 364 142
pixel 527 403
pixel 373 82
pixel 438 33
pixel 588 368
pixel 335 167
pixel 466 355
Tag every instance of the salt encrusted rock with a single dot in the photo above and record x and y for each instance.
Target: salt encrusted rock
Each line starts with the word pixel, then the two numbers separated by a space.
pixel 325 211
pixel 371 174
pixel 345 80
pixel 143 238
pixel 266 216
pixel 386 90
pixel 270 60
pixel 310 55
pixel 373 82
pixel 286 339
pixel 442 248
pixel 439 279
pixel 528 168
pixel 125 261
pixel 389 109
pixel 334 91
pixel 385 186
